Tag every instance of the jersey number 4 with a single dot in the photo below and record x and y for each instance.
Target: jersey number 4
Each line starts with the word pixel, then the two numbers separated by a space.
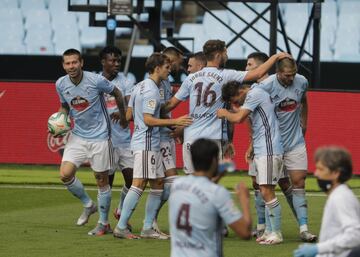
pixel 204 97
pixel 182 221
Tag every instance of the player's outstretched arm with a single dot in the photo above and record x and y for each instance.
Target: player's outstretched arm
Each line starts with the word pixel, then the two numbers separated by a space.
pixel 236 117
pixel 151 121
pixel 260 71
pixel 170 105
pixel 121 106
pixel 242 227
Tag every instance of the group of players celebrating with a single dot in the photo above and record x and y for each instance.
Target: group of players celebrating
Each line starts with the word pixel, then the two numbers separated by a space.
pixel 102 105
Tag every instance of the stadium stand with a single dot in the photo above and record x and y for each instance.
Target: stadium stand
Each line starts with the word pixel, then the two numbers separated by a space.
pixel 340 29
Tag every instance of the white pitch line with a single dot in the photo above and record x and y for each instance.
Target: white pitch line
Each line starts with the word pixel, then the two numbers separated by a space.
pixel 91 188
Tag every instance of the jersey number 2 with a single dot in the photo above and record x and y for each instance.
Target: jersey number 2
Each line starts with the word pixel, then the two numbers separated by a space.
pixel 182 221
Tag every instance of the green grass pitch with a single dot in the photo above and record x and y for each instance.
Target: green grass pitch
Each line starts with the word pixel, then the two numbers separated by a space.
pixel 41 221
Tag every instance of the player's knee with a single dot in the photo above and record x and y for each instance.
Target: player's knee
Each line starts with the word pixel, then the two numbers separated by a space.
pixel 102 178
pixel 284 184
pixel 128 177
pixel 66 178
pixel 139 183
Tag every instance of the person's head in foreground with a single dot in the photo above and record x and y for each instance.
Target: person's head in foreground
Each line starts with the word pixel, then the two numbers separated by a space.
pixel 340 225
pixel 333 167
pixel 204 155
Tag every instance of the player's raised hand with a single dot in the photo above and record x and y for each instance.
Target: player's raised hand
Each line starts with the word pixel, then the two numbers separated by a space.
pixel 283 55
pixel 184 121
pixel 221 113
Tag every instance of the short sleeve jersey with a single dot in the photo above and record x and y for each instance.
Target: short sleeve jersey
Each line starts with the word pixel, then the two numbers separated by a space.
pixel 120 137
pixel 165 92
pixel 265 125
pixel 87 105
pixel 145 98
pixel 287 102
pixel 204 90
pixel 197 210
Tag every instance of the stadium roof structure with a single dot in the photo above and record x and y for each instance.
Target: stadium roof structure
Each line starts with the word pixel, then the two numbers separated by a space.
pixel 153 27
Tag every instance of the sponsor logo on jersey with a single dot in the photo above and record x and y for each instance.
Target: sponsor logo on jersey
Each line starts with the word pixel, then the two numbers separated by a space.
pixel 287 105
pixel 202 115
pixel 110 101
pixel 79 103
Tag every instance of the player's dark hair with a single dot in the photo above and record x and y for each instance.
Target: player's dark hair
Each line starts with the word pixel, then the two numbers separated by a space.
pixel 109 50
pixel 286 62
pixel 200 57
pixel 229 90
pixel 211 47
pixel 173 51
pixel 336 159
pixel 71 51
pixel 155 60
pixel 203 151
pixel 259 57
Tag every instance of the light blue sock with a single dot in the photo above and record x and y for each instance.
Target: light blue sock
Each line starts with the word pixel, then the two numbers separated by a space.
pixel 289 198
pixel 123 193
pixel 152 206
pixel 274 210
pixel 130 202
pixel 268 227
pixel 104 202
pixel 300 206
pixel 168 181
pixel 78 190
pixel 260 207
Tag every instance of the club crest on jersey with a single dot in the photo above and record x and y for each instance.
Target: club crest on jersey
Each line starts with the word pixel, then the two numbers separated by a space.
pixel 287 105
pixel 110 101
pixel 79 103
pixel 151 104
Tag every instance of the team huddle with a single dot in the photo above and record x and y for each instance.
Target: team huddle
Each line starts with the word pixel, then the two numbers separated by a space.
pixel 102 105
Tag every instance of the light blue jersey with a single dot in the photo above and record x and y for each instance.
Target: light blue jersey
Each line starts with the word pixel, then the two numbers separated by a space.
pixel 145 98
pixel 87 104
pixel 165 95
pixel 204 89
pixel 120 137
pixel 197 210
pixel 265 125
pixel 287 102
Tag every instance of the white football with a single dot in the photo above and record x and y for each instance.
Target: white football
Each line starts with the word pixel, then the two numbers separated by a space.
pixel 59 124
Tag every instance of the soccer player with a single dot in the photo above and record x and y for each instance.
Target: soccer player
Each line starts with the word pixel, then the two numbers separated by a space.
pixel 268 150
pixel 110 58
pixel 167 143
pixel 340 226
pixel 81 96
pixel 196 62
pixel 144 107
pixel 204 89
pixel 198 207
pixel 287 90
pixel 253 61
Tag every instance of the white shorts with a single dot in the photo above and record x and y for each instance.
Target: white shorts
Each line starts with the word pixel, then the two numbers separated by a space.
pixel 269 169
pixel 123 159
pixel 78 150
pixel 168 154
pixel 188 166
pixel 296 159
pixel 147 165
